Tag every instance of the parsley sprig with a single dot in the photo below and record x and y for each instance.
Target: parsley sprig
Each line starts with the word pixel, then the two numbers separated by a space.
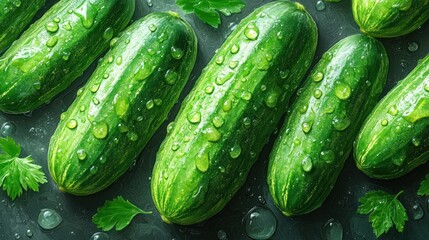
pixel 18 174
pixel 208 10
pixel 117 214
pixel 385 210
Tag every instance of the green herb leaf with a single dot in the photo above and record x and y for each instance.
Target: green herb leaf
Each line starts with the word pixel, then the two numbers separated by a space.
pixel 118 212
pixel 17 173
pixel 207 10
pixel 384 210
pixel 424 187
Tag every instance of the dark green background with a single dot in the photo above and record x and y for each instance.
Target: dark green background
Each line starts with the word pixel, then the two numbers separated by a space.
pixel 34 131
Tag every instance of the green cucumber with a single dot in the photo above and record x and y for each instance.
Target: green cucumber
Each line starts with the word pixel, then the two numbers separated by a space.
pixel 56 50
pixel 395 138
pixel 317 136
pixel 123 103
pixel 14 17
pixel 390 18
pixel 232 110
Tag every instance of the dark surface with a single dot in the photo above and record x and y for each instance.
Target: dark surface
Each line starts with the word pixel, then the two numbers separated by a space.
pixel 34 130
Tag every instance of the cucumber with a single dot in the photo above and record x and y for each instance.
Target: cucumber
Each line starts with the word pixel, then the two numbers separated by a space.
pixel 317 136
pixel 230 113
pixel 123 103
pixel 14 17
pixel 390 18
pixel 56 50
pixel 395 138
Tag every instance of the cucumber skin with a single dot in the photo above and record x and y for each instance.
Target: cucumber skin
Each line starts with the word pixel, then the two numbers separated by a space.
pixel 118 149
pixel 14 19
pixel 182 192
pixel 391 151
pixel 297 191
pixel 382 19
pixel 33 73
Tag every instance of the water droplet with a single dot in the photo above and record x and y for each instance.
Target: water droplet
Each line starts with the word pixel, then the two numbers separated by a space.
pixel 95 101
pixel 212 134
pixel 108 34
pixel 52 27
pixel 152 27
pixel 87 13
pixel 162 37
pixel 133 136
pixel 17 236
pixel 227 106
pixel 333 230
pixel 171 77
pixel 413 46
pixel 220 80
pixel 284 74
pixel 150 104
pixel 393 110
pixel 327 156
pixel 260 223
pixel 209 89
pixel 119 60
pixel 235 48
pixel 113 42
pixel 384 122
pixel 52 41
pixel 100 130
pixel 318 76
pixel 157 101
pixel 202 161
pixel 72 124
pixel 417 211
pixel 307 164
pixel 143 73
pixel 306 127
pixel 320 5
pixel 426 87
pixel 67 26
pixel 218 121
pixel 149 3
pixel 235 151
pixel 343 91
pixel 93 170
pixel 221 235
pixel 251 32
pixel 94 88
pixel 176 53
pixel 49 219
pixel 318 93
pixel 272 99
pixel 29 233
pixel 8 129
pixel 219 60
pixel 233 64
pixel 246 95
pixel 16 3
pixel 121 103
pixel 81 154
pixel 416 142
pixel 102 160
pixel 341 123
pixel 194 117
pixel 100 236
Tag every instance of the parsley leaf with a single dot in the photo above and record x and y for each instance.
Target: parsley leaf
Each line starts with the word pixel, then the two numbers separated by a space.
pixel 384 210
pixel 118 212
pixel 424 187
pixel 207 10
pixel 18 173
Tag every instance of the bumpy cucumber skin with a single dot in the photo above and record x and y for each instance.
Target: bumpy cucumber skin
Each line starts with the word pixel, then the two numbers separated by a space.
pixel 390 18
pixel 56 50
pixel 131 91
pixel 318 134
pixel 14 17
pixel 232 110
pixel 395 138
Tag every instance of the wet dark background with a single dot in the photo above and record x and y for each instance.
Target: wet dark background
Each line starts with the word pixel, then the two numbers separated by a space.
pixel 33 132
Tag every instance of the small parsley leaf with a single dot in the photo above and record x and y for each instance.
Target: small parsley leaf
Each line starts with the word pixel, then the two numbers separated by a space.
pixel 424 187
pixel 17 173
pixel 384 210
pixel 117 213
pixel 207 10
